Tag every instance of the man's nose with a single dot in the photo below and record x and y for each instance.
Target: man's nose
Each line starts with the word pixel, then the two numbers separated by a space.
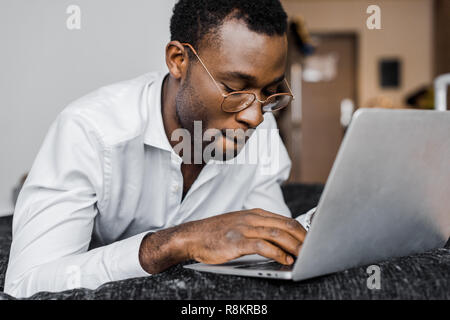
pixel 251 116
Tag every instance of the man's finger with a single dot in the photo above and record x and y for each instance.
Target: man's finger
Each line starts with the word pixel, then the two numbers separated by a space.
pixel 289 225
pixel 268 250
pixel 277 236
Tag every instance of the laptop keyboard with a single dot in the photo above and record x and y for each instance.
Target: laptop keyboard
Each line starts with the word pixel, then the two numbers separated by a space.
pixel 270 265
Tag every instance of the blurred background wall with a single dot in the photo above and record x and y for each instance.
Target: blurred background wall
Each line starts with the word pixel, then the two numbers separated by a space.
pixel 406 33
pixel 390 67
pixel 44 65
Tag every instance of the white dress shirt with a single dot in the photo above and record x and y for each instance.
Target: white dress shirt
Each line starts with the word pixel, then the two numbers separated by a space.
pixel 106 172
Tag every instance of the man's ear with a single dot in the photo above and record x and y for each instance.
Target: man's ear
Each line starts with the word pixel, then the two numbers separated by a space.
pixel 177 59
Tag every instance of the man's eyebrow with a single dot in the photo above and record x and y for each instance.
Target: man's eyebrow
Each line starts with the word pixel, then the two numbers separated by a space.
pixel 279 79
pixel 248 77
pixel 240 75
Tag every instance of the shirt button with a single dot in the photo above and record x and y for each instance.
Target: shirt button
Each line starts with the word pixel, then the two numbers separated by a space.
pixel 175 188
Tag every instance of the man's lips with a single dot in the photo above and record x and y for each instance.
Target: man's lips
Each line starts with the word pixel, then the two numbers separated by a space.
pixel 235 136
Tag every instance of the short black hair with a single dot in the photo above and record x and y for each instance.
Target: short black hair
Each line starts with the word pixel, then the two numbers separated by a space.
pixel 192 20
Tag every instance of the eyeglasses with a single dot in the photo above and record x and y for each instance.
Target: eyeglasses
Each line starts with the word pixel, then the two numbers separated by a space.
pixel 237 101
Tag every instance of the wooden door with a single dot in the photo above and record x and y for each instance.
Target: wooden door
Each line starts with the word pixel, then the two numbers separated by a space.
pixel 312 128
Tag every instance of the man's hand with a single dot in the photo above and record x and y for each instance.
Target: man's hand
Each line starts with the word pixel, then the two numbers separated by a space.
pixel 228 236
pixel 225 237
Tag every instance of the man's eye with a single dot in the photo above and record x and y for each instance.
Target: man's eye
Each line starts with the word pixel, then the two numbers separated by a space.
pixel 228 89
pixel 270 92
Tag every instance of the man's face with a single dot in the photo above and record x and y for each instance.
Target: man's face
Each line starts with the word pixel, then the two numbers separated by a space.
pixel 239 60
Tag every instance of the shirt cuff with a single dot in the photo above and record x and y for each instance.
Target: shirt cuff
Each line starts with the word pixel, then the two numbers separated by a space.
pixel 126 258
pixel 305 219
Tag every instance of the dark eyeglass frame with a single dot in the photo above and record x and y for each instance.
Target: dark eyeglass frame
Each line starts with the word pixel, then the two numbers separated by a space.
pixel 244 104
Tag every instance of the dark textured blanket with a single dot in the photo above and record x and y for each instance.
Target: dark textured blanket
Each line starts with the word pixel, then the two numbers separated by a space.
pixel 420 276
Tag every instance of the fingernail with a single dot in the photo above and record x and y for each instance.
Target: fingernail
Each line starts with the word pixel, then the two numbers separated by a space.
pixel 290 260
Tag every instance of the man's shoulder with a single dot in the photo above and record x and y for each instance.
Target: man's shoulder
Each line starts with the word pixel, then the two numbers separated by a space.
pixel 119 111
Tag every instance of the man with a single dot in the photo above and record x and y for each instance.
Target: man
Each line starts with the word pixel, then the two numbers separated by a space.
pixel 111 172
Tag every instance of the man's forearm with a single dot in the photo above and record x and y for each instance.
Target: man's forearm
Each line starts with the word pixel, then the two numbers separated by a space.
pixel 161 250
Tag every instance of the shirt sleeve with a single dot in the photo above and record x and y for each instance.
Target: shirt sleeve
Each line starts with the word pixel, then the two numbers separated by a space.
pixel 274 167
pixel 54 217
pixel 306 218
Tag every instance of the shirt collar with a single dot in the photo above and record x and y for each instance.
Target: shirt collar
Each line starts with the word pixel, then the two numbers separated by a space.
pixel 155 134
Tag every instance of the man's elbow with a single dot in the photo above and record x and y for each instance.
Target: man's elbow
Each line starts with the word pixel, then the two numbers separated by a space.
pixel 20 286
pixel 15 287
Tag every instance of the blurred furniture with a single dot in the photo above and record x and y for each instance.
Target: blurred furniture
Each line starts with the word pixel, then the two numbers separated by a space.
pixel 441 84
pixel 441 35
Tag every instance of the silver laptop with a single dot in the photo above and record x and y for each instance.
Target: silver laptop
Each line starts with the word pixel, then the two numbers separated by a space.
pixel 388 195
